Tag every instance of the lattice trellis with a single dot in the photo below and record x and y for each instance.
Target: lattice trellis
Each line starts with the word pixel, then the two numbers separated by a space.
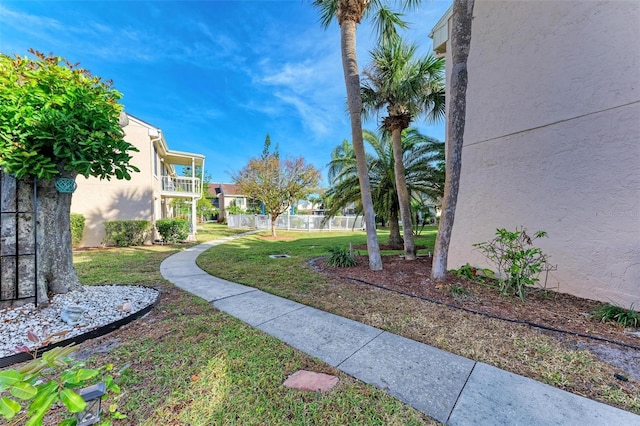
pixel 18 240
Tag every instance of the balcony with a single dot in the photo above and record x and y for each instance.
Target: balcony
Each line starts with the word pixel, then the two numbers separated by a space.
pixel 181 187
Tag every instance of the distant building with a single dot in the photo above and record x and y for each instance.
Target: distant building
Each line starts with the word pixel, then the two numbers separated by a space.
pixel 225 196
pixel 149 193
pixel 552 138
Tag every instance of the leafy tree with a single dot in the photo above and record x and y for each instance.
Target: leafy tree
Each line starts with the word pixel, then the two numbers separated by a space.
pixel 420 155
pixel 275 182
pixel 407 87
pixel 349 13
pixel 460 45
pixel 57 120
pixel 204 208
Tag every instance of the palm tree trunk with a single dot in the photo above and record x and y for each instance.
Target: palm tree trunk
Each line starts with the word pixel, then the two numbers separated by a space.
pixel 403 195
pixel 352 82
pixel 460 44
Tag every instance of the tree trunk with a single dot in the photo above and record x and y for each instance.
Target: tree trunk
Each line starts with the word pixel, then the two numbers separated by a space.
pixel 54 266
pixel 403 195
pixel 395 240
pixel 352 81
pixel 56 272
pixel 273 225
pixel 460 44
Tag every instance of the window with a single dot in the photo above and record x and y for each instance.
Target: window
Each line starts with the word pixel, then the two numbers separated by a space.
pixel 155 161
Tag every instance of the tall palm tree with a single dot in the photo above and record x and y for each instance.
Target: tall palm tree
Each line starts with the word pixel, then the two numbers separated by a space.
pixel 349 13
pixel 460 46
pixel 407 87
pixel 420 155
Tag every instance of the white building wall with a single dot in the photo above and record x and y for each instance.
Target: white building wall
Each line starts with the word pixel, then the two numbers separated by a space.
pixel 552 140
pixel 103 200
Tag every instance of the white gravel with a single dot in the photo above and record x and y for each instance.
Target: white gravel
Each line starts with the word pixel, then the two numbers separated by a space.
pixel 103 304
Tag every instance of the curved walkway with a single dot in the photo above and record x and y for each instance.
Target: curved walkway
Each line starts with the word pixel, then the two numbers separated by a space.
pixel 446 387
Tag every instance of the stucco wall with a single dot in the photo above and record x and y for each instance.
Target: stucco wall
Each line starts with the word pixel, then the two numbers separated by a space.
pixel 101 201
pixel 552 140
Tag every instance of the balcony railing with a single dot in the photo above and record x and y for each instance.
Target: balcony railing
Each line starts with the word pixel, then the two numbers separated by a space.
pixel 180 185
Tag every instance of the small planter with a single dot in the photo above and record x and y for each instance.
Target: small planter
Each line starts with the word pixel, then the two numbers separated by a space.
pixel 66 185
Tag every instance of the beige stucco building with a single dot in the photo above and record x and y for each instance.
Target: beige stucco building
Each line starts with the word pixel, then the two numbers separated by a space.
pixel 148 195
pixel 552 138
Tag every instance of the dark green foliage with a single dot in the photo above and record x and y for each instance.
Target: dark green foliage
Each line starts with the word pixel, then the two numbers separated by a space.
pixel 126 233
pixel 614 313
pixel 173 230
pixel 340 258
pixel 77 228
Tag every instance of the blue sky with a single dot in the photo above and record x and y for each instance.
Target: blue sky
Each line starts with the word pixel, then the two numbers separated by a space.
pixel 215 76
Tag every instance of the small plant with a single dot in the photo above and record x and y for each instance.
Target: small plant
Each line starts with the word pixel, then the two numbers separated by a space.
pixel 466 271
pixel 340 258
pixel 173 230
pixel 615 313
pixel 518 261
pixel 44 382
pixel 458 290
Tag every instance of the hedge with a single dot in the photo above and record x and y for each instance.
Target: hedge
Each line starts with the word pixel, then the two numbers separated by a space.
pixel 125 233
pixel 77 228
pixel 173 230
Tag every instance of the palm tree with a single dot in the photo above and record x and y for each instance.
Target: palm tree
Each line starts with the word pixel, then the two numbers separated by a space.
pixel 349 13
pixel 420 154
pixel 407 87
pixel 460 45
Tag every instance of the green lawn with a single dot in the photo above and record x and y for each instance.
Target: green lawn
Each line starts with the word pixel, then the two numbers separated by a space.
pixel 189 364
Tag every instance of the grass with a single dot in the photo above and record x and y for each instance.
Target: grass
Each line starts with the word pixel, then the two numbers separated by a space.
pixel 515 348
pixel 188 363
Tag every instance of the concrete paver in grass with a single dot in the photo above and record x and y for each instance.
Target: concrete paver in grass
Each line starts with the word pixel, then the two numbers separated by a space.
pixel 424 377
pixel 325 336
pixel 497 397
pixel 257 307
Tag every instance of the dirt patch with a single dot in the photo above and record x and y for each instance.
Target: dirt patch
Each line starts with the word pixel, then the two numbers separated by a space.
pixel 276 238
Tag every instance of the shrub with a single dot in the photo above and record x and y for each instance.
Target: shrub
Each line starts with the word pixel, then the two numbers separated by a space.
pixel 518 261
pixel 614 313
pixel 50 381
pixel 173 230
pixel 340 258
pixel 125 233
pixel 77 228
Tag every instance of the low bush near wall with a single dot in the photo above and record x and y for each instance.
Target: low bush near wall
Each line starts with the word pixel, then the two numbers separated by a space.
pixel 125 233
pixel 173 230
pixel 519 262
pixel 77 228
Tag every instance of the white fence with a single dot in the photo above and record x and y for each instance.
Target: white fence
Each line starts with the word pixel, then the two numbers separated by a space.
pixel 297 222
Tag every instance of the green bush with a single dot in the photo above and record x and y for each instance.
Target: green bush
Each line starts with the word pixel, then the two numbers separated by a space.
pixel 173 230
pixel 77 228
pixel 126 233
pixel 516 258
pixel 340 258
pixel 614 313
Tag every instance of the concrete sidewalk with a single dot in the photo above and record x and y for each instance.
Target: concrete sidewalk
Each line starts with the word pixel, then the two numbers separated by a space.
pixel 447 387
